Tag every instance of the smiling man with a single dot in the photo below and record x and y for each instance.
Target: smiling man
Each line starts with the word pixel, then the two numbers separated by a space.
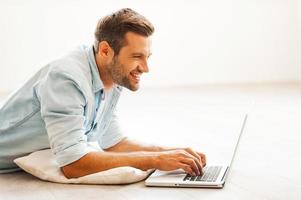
pixel 71 101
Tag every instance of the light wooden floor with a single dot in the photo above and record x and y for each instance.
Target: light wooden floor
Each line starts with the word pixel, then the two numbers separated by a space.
pixel 267 164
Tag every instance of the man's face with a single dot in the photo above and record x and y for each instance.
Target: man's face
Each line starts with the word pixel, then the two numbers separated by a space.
pixel 127 67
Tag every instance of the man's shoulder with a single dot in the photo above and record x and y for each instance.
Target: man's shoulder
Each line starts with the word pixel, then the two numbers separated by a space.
pixel 75 65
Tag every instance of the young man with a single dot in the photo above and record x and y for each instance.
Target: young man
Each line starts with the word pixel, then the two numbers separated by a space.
pixel 71 102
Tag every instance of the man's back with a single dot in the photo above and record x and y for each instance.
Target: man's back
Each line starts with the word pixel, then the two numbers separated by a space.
pixel 22 126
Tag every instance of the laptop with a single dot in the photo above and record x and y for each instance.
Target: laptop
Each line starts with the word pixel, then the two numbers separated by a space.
pixel 214 175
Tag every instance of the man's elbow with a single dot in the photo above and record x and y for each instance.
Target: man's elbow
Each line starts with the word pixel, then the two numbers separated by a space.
pixel 79 168
pixel 70 172
pixel 75 169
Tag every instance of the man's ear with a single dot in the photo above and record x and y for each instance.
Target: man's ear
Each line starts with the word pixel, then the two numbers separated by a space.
pixel 105 50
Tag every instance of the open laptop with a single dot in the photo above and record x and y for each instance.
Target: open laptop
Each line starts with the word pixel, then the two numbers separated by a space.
pixel 214 176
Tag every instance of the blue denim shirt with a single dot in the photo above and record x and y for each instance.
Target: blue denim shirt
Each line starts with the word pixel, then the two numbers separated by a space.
pixel 63 106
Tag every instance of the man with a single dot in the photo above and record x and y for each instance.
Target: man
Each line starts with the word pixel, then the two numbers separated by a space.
pixel 71 102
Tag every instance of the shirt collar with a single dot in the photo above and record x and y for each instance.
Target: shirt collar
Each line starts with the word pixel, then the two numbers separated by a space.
pixel 96 81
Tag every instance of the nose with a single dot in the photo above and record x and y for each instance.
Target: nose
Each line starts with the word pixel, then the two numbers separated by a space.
pixel 146 68
pixel 143 67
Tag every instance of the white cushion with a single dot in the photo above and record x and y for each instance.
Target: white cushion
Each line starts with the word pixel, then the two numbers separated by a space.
pixel 43 165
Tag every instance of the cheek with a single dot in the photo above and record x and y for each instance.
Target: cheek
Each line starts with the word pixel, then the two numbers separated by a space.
pixel 125 69
pixel 130 66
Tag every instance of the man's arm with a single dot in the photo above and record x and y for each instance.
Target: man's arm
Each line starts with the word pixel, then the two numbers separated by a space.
pixel 127 145
pixel 134 154
pixel 94 162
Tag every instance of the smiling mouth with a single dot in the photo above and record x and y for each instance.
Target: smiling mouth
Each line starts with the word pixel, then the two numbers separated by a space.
pixel 135 76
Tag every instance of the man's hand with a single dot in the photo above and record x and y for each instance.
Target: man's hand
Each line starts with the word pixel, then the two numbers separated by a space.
pixel 187 159
pixel 201 157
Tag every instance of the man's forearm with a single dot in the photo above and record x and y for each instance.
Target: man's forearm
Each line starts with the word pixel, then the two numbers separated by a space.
pixel 100 161
pixel 125 153
pixel 127 145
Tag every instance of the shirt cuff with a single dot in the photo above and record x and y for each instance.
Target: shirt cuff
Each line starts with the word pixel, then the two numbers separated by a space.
pixel 72 154
pixel 107 143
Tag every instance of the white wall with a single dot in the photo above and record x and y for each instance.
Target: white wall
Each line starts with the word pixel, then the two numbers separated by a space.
pixel 195 42
pixel 298 43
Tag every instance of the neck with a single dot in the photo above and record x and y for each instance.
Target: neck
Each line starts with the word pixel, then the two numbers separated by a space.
pixel 103 73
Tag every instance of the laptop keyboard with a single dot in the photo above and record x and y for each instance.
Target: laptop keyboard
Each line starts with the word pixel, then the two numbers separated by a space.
pixel 210 174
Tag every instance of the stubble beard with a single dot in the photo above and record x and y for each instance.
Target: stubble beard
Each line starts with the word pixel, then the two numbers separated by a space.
pixel 119 76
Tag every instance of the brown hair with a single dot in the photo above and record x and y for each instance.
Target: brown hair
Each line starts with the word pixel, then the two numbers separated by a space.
pixel 113 27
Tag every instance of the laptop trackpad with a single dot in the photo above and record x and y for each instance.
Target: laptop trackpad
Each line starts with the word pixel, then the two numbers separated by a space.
pixel 170 174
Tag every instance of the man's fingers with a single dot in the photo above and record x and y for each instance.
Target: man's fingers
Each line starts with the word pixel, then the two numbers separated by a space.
pixel 197 157
pixel 187 169
pixel 200 166
pixel 193 153
pixel 203 158
pixel 193 164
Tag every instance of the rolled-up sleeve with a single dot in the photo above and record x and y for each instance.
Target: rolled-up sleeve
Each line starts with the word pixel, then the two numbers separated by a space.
pixel 113 134
pixel 62 109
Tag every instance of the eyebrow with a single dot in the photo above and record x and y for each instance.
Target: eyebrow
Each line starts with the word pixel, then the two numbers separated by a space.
pixel 141 54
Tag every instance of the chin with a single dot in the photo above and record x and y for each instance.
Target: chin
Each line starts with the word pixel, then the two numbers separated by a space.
pixel 130 84
pixel 133 87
